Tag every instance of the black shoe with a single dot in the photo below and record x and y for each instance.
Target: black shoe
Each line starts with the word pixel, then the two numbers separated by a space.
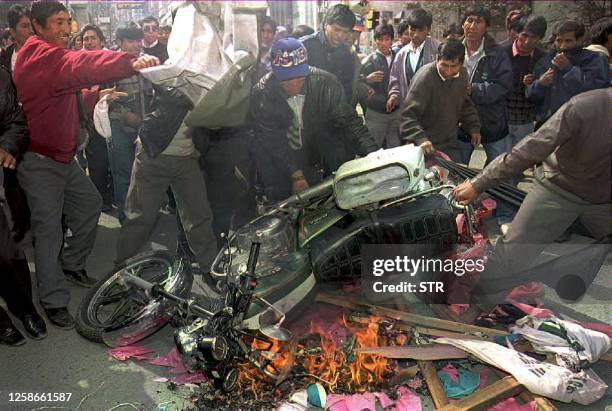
pixel 34 325
pixel 60 317
pixel 11 336
pixel 80 278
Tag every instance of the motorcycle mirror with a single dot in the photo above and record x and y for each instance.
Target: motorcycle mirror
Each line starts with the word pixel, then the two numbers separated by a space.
pixel 269 325
pixel 276 332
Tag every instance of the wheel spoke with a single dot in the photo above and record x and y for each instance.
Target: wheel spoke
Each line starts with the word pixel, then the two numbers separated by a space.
pixel 120 310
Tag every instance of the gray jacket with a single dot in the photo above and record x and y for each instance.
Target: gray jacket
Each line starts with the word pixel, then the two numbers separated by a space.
pixel 573 146
pixel 398 79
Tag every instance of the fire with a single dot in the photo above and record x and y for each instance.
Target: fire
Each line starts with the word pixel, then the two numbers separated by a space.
pixel 333 365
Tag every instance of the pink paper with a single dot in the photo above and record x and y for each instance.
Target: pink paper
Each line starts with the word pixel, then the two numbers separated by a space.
pixel 452 372
pixel 484 377
pixel 458 309
pixel 415 383
pixel 173 359
pixel 531 293
pixel 511 404
pixel 183 379
pixel 131 351
pixel 357 402
pixel 407 400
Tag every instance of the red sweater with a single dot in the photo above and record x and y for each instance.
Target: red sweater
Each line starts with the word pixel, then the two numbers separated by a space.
pixel 47 78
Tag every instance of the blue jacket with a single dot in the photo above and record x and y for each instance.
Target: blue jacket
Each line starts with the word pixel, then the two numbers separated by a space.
pixel 587 73
pixel 491 82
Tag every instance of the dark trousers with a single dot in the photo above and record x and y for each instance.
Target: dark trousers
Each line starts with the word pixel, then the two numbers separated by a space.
pixel 98 167
pixel 15 281
pixel 16 200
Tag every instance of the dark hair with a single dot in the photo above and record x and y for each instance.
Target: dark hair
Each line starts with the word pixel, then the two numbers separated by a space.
pixel 341 15
pixel 451 50
pixel 166 27
pixel 17 12
pixel 42 10
pixel 454 28
pixel 512 17
pixel 301 31
pixel 477 10
pixel 73 39
pixel 131 31
pixel 403 26
pixel 149 19
pixel 93 27
pixel 533 24
pixel 569 26
pixel 269 21
pixel 419 18
pixel 599 32
pixel 384 30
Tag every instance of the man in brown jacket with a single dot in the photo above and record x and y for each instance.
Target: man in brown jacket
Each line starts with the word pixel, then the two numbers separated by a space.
pixel 574 147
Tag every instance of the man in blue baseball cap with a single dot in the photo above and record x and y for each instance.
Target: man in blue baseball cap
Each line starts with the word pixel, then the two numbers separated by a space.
pixel 300 117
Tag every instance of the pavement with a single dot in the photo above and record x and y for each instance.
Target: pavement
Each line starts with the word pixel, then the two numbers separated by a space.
pixel 64 362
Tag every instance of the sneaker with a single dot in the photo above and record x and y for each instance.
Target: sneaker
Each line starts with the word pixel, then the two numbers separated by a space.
pixel 80 278
pixel 60 317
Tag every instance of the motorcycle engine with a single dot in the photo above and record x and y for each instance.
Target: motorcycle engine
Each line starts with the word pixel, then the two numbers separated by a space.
pixel 277 237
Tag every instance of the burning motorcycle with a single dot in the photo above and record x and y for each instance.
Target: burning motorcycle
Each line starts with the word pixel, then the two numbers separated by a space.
pixel 274 262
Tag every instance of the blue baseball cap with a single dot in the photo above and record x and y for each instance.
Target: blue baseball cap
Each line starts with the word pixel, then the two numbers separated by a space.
pixel 289 59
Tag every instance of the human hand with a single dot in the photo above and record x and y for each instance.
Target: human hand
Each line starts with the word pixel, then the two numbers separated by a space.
pixel 391 103
pixel 546 79
pixel 375 77
pixel 427 147
pixel 113 93
pixel 298 182
pixel 144 62
pixel 528 79
pixel 562 62
pixel 476 139
pixel 7 160
pixel 465 193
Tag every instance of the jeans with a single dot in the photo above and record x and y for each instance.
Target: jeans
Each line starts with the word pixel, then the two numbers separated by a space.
pixel 493 150
pixel 121 158
pixel 516 132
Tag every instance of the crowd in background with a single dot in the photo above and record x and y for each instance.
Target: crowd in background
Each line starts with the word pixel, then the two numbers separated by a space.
pixel 317 102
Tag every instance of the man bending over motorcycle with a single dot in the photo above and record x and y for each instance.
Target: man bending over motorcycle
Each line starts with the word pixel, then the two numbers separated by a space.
pixel 300 119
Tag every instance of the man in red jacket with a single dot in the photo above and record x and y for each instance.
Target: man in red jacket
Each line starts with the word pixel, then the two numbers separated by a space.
pixel 48 78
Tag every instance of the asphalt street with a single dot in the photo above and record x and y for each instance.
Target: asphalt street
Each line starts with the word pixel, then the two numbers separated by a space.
pixel 65 362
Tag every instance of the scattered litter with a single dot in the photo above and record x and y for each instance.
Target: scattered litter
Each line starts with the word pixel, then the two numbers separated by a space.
pixel 131 351
pixel 173 359
pixel 407 400
pixel 574 346
pixel 602 328
pixel 358 402
pixel 458 383
pixel 183 379
pixel 316 395
pixel 540 378
pixel 415 383
pixel 422 352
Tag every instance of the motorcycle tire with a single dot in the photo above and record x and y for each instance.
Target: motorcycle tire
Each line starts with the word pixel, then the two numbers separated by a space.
pixel 86 322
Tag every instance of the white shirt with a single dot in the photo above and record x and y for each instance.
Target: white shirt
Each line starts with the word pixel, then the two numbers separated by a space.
pixel 13 60
pixel 152 45
pixel 471 61
pixel 414 54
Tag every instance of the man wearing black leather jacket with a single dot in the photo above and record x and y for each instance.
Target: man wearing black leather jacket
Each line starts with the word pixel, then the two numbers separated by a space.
pixel 15 282
pixel 300 117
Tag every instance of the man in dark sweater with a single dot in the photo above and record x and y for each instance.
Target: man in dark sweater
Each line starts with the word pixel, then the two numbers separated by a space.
pixel 150 42
pixel 56 187
pixel 437 102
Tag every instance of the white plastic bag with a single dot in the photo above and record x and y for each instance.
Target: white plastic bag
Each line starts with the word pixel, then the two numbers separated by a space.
pixel 100 117
pixel 540 378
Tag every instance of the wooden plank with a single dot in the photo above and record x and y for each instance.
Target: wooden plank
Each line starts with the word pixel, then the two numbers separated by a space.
pixel 416 319
pixel 448 334
pixel 542 403
pixel 433 384
pixel 425 352
pixel 488 396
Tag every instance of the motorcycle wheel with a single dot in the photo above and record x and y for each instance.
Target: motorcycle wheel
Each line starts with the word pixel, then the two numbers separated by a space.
pixel 110 305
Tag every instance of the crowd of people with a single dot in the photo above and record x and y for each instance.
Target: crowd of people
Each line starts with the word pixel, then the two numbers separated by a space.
pixel 316 104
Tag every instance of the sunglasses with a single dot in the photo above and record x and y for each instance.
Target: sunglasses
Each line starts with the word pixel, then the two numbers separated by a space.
pixel 147 29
